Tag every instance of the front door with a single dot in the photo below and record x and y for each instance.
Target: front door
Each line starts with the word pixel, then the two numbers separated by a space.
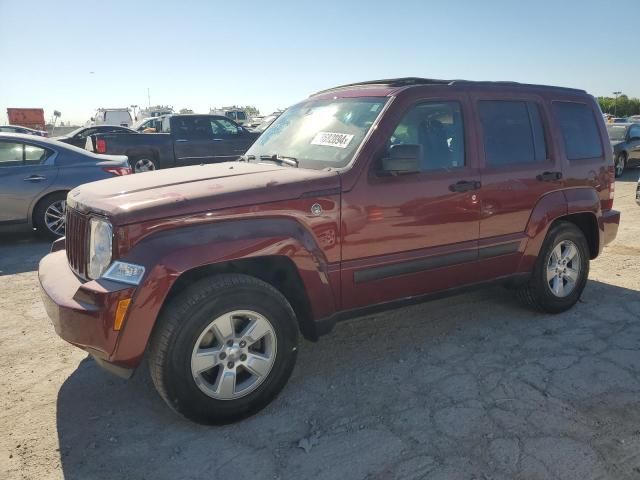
pixel 412 234
pixel 24 174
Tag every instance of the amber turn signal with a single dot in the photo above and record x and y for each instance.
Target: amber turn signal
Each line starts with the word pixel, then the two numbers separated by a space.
pixel 121 311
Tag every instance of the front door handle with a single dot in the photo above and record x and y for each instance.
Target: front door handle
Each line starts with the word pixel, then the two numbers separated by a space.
pixel 181 140
pixel 34 178
pixel 549 176
pixel 465 186
pixel 217 139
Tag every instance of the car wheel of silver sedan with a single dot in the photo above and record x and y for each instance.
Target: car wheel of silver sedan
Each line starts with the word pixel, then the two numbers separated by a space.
pixel 49 215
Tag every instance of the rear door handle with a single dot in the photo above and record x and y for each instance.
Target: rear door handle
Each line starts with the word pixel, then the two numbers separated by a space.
pixel 181 140
pixel 34 178
pixel 217 139
pixel 465 186
pixel 549 176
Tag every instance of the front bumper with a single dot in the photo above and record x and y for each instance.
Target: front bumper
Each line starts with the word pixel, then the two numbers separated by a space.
pixel 610 221
pixel 82 313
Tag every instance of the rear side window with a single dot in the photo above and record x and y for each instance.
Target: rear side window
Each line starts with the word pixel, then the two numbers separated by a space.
pixel 579 130
pixel 512 132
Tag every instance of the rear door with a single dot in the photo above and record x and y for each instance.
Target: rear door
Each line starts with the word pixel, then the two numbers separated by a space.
pixel 194 140
pixel 25 171
pixel 517 169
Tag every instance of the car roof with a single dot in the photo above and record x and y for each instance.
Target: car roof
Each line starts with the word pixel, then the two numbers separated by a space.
pixel 391 86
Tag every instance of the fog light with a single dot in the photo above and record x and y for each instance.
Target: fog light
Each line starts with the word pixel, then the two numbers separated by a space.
pixel 121 311
pixel 125 273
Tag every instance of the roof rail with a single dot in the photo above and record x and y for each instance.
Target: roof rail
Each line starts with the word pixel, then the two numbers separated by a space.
pixel 390 82
pixel 511 83
pixel 409 81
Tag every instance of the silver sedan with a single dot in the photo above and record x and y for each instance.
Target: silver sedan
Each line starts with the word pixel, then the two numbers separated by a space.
pixel 35 175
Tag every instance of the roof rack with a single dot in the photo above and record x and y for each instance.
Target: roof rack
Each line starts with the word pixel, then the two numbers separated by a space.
pixel 410 81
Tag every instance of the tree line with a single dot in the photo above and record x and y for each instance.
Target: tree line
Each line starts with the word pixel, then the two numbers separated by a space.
pixel 624 107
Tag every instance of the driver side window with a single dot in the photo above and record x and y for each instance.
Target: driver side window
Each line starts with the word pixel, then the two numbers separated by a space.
pixel 437 127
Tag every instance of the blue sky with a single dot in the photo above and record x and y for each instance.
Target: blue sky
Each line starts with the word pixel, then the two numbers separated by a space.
pixel 199 54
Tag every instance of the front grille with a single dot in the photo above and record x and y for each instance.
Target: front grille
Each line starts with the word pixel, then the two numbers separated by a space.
pixel 77 234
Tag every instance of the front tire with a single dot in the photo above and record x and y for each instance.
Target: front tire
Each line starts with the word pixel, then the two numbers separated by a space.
pixel 560 272
pixel 223 349
pixel 49 215
pixel 620 164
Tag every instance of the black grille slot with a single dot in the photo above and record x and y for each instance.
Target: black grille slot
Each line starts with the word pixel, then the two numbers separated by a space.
pixel 77 233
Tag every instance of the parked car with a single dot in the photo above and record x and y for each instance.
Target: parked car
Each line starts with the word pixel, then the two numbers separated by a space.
pixel 619 120
pixel 634 119
pixel 212 271
pixel 37 173
pixel 25 130
pixel 266 121
pixel 149 125
pixel 112 116
pixel 237 115
pixel 625 140
pixel 79 136
pixel 189 140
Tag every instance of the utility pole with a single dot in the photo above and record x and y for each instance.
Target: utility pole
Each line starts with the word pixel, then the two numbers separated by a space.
pixel 615 104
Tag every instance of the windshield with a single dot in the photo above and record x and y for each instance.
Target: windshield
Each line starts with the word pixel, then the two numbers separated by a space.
pixel 319 133
pixel 617 132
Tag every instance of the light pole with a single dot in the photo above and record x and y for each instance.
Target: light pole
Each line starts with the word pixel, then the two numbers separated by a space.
pixel 615 104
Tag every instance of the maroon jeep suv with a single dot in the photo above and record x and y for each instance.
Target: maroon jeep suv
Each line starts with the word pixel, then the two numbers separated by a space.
pixel 360 198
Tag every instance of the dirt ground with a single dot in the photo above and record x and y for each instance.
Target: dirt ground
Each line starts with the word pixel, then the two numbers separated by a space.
pixel 472 386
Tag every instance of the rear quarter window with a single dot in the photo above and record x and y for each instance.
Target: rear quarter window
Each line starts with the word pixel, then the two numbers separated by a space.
pixel 579 130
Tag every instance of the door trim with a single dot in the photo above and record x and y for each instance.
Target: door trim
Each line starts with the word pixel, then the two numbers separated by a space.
pixel 433 262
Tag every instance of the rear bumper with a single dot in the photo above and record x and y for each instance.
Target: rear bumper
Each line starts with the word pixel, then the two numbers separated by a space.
pixel 82 313
pixel 610 221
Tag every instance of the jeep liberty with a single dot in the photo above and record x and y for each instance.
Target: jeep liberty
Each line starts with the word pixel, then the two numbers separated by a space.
pixel 360 198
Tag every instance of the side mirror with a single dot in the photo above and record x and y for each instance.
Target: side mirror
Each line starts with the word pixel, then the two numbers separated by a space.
pixel 402 159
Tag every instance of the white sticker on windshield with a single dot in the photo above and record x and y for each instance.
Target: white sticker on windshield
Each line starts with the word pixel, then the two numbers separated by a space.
pixel 330 139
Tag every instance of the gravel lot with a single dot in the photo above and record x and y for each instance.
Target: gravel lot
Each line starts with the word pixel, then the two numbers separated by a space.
pixel 472 386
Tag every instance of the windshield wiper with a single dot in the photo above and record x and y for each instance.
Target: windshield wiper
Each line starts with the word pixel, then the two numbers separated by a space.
pixel 246 158
pixel 281 159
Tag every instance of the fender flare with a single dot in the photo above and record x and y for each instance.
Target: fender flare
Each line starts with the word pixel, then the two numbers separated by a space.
pixel 551 207
pixel 169 254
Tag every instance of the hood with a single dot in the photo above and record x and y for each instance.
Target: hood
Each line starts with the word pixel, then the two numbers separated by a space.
pixel 189 190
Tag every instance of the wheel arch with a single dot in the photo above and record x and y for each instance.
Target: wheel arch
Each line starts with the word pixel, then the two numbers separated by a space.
pixel 37 201
pixel 278 251
pixel 580 206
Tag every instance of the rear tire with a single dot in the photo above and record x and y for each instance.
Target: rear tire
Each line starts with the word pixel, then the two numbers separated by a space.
pixel 187 332
pixel 49 215
pixel 143 164
pixel 560 272
pixel 620 164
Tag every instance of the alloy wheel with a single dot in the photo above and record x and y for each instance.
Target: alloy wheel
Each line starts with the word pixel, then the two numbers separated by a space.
pixel 54 217
pixel 144 165
pixel 563 268
pixel 233 355
pixel 619 165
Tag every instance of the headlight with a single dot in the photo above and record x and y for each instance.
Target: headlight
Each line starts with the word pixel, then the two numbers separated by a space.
pixel 99 247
